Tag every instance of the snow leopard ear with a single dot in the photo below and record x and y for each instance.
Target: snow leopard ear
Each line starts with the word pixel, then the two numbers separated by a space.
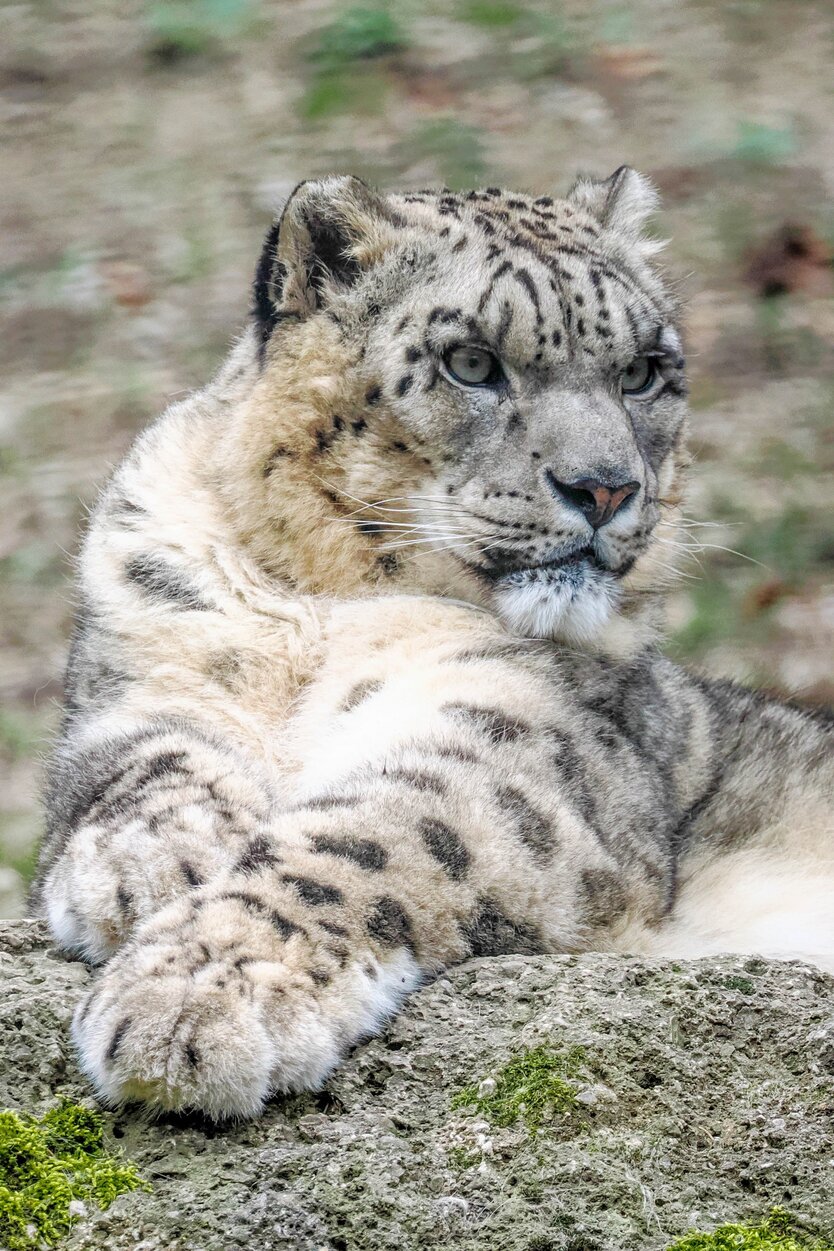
pixel 621 203
pixel 330 231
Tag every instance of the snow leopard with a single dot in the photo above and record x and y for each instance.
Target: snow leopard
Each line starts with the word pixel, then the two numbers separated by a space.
pixel 366 678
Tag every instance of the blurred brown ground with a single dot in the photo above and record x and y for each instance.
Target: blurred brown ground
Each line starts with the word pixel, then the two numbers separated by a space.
pixel 145 146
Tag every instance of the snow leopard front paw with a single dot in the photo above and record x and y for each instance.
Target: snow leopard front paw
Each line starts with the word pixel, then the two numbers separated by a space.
pixel 214 1007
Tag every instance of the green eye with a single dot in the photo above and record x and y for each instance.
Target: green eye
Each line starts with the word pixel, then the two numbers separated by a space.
pixel 639 377
pixel 473 366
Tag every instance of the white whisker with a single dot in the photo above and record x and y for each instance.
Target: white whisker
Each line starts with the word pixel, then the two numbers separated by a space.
pixel 381 507
pixel 718 547
pixel 391 525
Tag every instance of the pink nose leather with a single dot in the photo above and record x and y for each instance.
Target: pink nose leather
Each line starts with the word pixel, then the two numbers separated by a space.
pixel 597 501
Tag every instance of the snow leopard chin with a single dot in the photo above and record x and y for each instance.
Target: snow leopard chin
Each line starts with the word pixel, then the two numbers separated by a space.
pixel 572 603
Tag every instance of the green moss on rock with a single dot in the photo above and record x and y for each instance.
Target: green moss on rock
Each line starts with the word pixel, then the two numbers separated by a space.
pixel 779 1232
pixel 533 1087
pixel 49 1165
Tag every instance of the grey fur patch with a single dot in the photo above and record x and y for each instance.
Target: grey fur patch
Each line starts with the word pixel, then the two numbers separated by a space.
pixel 96 673
pixel 446 846
pixel 533 828
pixel 574 774
pixel 161 581
pixel 603 898
pixel 488 932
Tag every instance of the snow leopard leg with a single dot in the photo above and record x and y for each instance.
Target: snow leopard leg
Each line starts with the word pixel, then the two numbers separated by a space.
pixel 137 818
pixel 464 830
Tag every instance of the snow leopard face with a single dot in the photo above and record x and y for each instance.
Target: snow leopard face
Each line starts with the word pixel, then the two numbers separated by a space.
pixel 508 406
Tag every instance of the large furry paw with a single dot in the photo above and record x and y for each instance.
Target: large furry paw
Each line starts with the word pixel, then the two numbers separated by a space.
pixel 209 1009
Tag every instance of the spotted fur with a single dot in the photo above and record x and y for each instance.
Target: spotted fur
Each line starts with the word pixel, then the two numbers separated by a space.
pixel 322 736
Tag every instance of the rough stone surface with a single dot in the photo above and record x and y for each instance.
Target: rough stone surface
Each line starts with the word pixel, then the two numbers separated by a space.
pixel 708 1096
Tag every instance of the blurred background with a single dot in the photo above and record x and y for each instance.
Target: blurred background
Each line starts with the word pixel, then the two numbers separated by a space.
pixel 146 145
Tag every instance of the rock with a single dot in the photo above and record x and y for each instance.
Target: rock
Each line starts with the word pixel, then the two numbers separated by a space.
pixel 714 1085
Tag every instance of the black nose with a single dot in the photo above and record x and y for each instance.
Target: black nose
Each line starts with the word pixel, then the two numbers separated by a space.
pixel 598 501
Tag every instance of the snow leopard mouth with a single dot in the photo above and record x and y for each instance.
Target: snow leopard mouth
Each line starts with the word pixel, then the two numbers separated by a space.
pixel 575 566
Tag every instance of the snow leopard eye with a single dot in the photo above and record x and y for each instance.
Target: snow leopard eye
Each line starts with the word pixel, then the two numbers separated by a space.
pixel 639 377
pixel 473 366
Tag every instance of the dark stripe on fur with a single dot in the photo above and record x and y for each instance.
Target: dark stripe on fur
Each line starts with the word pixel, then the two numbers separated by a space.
pixel 446 846
pixel 488 932
pixel 362 851
pixel 532 826
pixel 162 582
